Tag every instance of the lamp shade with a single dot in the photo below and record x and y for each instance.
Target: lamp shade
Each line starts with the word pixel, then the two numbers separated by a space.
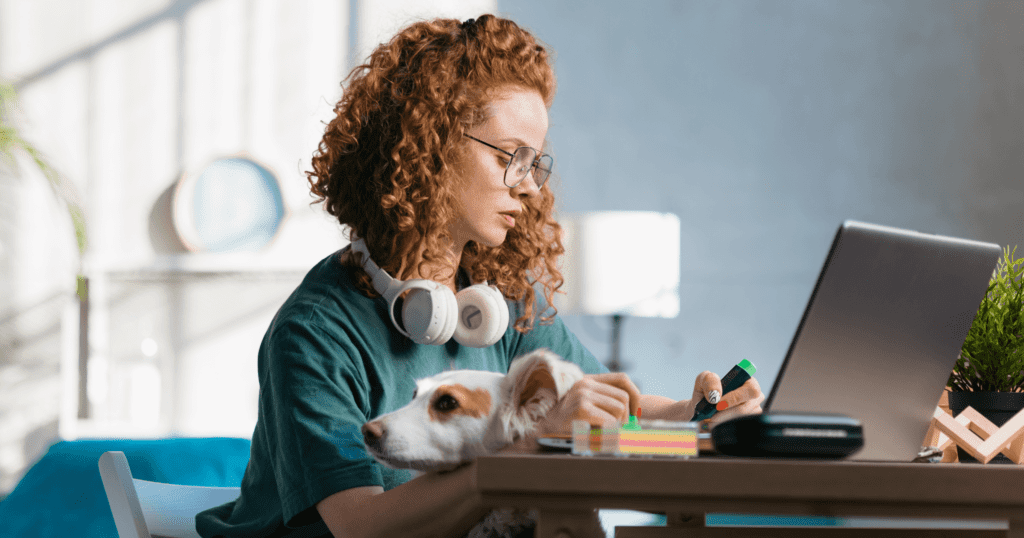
pixel 620 262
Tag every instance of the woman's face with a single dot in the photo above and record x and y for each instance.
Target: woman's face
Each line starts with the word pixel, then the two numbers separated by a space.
pixel 487 209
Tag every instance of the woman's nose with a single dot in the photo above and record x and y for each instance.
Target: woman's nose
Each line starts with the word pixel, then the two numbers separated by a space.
pixel 526 187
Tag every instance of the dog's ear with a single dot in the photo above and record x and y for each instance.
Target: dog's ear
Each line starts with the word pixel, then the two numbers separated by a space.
pixel 542 369
pixel 534 384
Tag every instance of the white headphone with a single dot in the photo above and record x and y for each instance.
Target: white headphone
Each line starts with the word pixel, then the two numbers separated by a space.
pixel 432 314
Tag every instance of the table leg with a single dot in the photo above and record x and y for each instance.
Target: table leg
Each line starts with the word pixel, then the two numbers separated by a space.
pixel 569 524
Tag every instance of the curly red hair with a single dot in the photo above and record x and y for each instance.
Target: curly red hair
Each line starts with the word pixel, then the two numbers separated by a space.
pixel 387 164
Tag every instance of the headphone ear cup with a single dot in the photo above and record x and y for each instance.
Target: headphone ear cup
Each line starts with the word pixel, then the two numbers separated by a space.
pixel 450 315
pixel 480 317
pixel 503 309
pixel 428 313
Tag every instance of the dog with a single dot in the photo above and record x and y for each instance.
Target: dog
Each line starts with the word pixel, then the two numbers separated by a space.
pixel 456 416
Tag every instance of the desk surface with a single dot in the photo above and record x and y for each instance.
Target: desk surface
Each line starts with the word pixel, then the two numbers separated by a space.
pixel 736 485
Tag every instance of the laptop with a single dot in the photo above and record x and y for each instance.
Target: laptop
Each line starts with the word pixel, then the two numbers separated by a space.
pixel 882 332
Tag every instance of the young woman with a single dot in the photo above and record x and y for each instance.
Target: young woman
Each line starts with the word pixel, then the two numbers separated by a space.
pixel 435 161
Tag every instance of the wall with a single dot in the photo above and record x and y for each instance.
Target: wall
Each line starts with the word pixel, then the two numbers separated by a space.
pixel 763 125
pixel 125 98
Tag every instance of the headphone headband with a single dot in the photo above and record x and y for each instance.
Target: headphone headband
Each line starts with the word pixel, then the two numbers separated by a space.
pixel 382 281
pixel 431 313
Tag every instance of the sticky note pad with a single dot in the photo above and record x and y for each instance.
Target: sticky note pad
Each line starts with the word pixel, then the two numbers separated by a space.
pixel 660 438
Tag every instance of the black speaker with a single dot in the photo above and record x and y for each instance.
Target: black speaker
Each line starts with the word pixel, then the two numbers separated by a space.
pixel 786 435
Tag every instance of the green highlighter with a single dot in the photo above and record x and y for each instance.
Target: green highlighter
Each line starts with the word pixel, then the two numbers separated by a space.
pixel 732 381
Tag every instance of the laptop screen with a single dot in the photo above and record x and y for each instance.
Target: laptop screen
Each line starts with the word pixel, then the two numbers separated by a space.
pixel 882 331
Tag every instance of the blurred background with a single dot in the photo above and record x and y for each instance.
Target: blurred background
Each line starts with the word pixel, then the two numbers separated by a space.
pixel 760 124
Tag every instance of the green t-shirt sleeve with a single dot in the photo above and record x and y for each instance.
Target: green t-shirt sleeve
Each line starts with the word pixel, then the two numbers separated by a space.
pixel 318 403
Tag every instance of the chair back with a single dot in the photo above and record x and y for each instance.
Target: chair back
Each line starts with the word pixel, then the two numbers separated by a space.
pixel 144 509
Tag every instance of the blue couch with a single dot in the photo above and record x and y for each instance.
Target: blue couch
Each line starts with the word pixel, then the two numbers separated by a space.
pixel 62 494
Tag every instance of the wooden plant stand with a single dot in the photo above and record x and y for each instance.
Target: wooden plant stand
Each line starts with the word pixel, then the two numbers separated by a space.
pixel 978 436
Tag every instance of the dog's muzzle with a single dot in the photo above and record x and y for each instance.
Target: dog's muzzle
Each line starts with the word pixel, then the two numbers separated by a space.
pixel 373 435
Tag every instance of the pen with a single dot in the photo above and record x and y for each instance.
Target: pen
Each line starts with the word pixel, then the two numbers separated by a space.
pixel 732 381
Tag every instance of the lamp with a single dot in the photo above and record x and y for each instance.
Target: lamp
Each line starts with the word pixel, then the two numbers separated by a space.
pixel 620 263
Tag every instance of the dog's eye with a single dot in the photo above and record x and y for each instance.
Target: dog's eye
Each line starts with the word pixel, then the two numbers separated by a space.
pixel 414 393
pixel 446 403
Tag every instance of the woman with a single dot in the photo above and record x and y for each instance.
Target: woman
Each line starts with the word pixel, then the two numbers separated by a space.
pixel 435 160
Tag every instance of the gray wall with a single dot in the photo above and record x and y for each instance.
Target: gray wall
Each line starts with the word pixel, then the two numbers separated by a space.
pixel 763 125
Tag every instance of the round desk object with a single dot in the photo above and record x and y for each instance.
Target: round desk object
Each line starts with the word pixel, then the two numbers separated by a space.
pixel 233 204
pixel 555 443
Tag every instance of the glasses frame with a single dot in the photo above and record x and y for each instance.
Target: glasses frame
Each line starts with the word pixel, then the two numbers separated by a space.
pixel 533 167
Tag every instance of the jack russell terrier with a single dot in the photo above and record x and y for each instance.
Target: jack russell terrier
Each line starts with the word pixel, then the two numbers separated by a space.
pixel 458 415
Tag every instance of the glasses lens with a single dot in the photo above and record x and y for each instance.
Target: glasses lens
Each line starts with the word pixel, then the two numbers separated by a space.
pixel 543 170
pixel 522 161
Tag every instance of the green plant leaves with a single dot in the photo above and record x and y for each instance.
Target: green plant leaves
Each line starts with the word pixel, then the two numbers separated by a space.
pixel 12 142
pixel 992 357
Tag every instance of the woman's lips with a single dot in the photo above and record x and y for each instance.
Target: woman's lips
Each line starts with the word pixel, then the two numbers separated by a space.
pixel 510 220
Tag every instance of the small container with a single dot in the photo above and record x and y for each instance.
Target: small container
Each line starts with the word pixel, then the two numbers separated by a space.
pixel 589 441
pixel 660 438
pixel 609 436
pixel 581 438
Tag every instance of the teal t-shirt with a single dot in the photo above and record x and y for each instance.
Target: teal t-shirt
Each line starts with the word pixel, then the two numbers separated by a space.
pixel 329 362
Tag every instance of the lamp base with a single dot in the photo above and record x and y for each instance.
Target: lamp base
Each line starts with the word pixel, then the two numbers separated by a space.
pixel 615 362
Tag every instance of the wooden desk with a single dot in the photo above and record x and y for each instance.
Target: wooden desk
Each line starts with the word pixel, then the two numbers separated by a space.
pixel 565 488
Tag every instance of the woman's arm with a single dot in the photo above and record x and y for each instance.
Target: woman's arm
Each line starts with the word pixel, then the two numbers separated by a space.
pixel 603 398
pixel 432 504
pixel 743 401
pixel 660 407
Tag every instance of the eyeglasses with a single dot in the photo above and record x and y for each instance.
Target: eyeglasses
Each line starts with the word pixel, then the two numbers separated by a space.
pixel 522 162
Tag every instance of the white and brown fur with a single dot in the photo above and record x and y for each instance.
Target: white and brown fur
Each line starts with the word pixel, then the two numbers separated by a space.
pixel 459 415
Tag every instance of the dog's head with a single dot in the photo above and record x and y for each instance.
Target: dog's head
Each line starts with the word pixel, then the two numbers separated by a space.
pixel 459 415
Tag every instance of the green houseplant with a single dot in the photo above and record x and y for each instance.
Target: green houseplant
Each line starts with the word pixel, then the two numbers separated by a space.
pixel 28 366
pixel 989 374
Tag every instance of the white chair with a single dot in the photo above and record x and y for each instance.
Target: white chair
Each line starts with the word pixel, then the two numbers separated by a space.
pixel 144 509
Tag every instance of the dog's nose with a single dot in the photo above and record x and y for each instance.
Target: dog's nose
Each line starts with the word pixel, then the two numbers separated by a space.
pixel 373 433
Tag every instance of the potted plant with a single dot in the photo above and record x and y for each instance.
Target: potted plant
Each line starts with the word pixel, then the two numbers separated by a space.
pixel 989 373
pixel 28 365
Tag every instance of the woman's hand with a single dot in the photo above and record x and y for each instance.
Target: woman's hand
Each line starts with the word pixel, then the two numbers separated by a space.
pixel 597 399
pixel 746 400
